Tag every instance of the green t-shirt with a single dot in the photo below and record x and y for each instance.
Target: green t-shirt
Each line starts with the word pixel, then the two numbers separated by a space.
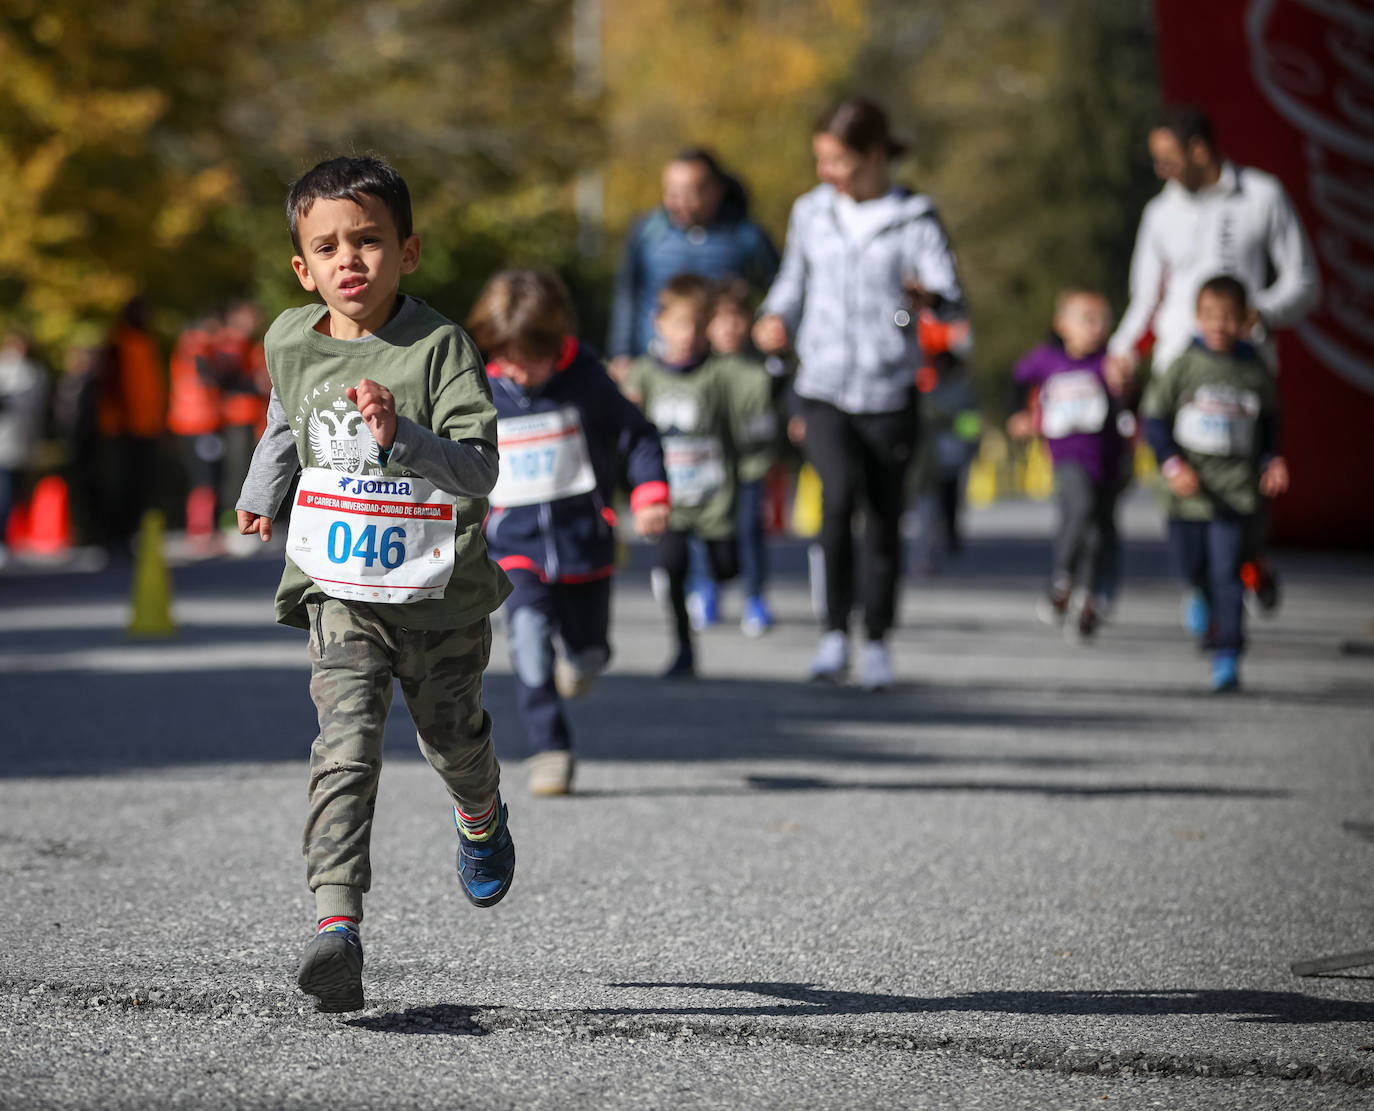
pixel 437 377
pixel 700 415
pixel 1218 405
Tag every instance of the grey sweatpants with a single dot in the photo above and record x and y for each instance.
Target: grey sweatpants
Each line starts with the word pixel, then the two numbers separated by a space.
pixel 1085 543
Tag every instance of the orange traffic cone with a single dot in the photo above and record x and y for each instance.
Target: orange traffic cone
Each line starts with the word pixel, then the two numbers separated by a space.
pixel 49 518
pixel 17 527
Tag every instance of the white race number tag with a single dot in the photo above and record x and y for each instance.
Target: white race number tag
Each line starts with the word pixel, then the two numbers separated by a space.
pixel 1218 420
pixel 695 466
pixel 543 458
pixel 380 540
pixel 1073 402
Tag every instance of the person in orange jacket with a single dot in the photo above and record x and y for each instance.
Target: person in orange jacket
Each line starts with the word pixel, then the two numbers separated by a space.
pixel 131 418
pixel 194 416
pixel 246 387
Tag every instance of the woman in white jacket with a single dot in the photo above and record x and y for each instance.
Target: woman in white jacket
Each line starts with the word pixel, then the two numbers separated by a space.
pixel 862 256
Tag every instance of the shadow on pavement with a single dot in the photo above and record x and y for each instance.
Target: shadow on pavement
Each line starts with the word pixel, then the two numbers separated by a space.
pixel 756 783
pixel 806 999
pixel 438 1018
pixel 89 723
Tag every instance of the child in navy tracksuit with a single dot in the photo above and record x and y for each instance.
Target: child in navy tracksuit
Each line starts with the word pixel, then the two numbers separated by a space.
pixel 564 433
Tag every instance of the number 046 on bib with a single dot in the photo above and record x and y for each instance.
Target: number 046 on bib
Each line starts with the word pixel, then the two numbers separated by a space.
pixel 379 540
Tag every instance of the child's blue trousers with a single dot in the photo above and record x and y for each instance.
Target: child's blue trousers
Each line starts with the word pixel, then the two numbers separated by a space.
pixel 579 614
pixel 1208 555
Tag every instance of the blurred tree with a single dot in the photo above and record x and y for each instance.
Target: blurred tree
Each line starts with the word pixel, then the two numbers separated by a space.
pixel 147 146
pixel 1030 118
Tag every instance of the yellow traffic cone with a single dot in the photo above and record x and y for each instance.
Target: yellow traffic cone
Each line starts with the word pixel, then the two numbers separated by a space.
pixel 806 507
pixel 1039 473
pixel 981 488
pixel 150 601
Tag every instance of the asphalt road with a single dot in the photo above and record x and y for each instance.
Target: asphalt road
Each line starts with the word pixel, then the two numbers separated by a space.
pixel 1037 874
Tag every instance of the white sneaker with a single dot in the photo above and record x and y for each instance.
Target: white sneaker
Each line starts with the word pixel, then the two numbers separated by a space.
pixel 575 676
pixel 875 667
pixel 832 657
pixel 551 772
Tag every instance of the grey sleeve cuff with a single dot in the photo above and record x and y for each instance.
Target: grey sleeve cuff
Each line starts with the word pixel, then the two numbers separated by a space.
pixel 273 467
pixel 466 468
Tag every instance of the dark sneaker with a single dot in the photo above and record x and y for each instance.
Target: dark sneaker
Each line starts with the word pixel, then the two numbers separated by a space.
pixel 1088 619
pixel 683 665
pixel 486 868
pixel 332 970
pixel 1263 583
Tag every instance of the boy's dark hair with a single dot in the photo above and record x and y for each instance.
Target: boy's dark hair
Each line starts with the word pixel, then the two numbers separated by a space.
pixel 860 124
pixel 1186 122
pixel 523 312
pixel 349 179
pixel 733 293
pixel 1223 285
pixel 691 289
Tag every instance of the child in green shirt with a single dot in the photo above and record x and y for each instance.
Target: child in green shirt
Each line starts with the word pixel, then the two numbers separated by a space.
pixel 1212 419
pixel 699 403
pixel 383 407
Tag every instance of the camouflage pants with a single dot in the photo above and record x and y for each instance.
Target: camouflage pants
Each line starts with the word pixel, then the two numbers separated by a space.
pixel 353 657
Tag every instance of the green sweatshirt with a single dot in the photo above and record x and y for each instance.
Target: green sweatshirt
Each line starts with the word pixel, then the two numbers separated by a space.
pixel 441 389
pixel 703 416
pixel 1219 412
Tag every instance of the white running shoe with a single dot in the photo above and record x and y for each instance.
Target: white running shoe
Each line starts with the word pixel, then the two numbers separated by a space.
pixel 875 667
pixel 658 585
pixel 832 657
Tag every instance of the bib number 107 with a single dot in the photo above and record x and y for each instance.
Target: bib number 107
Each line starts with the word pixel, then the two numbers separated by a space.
pixel 342 545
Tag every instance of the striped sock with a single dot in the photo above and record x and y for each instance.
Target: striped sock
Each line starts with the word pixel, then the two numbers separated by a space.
pixel 477 827
pixel 338 922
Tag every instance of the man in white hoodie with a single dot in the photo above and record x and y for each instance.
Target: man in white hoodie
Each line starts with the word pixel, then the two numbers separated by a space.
pixel 1212 217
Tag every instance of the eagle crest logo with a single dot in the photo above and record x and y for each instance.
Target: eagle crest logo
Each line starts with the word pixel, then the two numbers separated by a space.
pixel 341 441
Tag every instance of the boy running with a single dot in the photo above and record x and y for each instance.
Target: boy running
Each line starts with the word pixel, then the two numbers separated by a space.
pixel 565 434
pixel 392 428
pixel 1078 418
pixel 699 403
pixel 1212 419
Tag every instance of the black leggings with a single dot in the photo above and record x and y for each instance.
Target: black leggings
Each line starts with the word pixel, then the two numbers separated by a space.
pixel 862 460
pixel 674 557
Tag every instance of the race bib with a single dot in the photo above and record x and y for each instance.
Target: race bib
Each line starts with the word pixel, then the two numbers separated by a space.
pixel 380 540
pixel 1070 403
pixel 543 458
pixel 1219 420
pixel 695 466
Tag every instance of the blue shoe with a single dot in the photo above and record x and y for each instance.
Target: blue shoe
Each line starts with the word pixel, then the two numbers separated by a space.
pixel 756 619
pixel 332 969
pixel 703 605
pixel 1197 614
pixel 486 868
pixel 1225 673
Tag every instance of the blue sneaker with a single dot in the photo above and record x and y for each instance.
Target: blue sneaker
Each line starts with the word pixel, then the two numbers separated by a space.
pixel 1197 614
pixel 486 868
pixel 756 619
pixel 1225 673
pixel 332 970
pixel 703 605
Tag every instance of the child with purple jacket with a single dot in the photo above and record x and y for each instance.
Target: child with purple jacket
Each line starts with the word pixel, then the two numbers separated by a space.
pixel 1076 412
